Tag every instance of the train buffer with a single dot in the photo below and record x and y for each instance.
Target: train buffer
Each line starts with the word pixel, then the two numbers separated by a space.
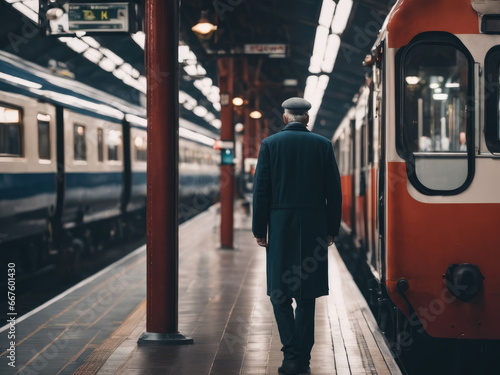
pixel 93 328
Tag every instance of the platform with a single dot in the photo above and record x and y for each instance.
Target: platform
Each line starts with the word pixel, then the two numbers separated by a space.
pixel 93 327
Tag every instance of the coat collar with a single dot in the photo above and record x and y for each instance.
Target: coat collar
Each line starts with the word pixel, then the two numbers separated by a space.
pixel 296 126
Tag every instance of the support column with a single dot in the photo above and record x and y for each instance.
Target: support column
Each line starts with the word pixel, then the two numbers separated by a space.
pixel 225 67
pixel 162 41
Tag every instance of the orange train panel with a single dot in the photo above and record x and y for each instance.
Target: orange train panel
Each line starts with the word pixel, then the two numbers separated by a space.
pixel 412 17
pixel 423 240
pixel 346 183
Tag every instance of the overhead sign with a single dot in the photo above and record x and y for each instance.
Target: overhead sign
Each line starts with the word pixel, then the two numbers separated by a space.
pixel 69 17
pixel 273 50
pixel 98 17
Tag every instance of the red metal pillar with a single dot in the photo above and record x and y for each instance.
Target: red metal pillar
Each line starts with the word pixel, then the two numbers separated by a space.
pixel 162 196
pixel 225 67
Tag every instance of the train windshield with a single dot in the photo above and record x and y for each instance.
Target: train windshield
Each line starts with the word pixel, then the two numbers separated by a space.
pixel 436 129
pixel 435 99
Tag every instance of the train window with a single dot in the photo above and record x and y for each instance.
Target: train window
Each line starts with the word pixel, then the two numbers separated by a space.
pixel 435 136
pixel 114 142
pixel 492 100
pixel 43 136
pixel 140 149
pixel 10 132
pixel 100 144
pixel 80 143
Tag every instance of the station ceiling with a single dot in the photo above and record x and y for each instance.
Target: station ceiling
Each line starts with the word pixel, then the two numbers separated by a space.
pixel 239 22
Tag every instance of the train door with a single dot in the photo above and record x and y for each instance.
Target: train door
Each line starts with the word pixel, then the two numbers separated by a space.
pixel 376 160
pixel 354 172
pixel 360 175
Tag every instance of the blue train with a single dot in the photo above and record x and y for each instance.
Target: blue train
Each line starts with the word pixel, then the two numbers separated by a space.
pixel 73 166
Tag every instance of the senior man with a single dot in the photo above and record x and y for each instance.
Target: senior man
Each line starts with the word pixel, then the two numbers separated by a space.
pixel 297 203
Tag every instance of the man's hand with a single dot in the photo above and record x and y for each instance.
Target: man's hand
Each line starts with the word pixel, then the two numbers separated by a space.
pixel 261 242
pixel 330 240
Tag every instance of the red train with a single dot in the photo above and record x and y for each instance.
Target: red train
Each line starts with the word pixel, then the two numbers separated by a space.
pixel 419 156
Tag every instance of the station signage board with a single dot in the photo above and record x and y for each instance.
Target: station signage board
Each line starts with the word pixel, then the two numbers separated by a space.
pixel 272 50
pixel 100 17
pixel 71 17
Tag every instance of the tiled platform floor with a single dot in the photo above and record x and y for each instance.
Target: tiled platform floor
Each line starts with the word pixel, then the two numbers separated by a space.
pixel 224 308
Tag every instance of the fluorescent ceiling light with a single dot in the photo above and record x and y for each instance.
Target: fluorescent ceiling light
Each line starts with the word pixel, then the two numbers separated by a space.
pixel 200 111
pixel 216 123
pixel 342 13
pixel 191 58
pixel 182 96
pixel 127 68
pixel 209 117
pixel 76 44
pixel 191 70
pixel 207 81
pixel 135 73
pixel 112 56
pixel 107 64
pixel 91 42
pixel 140 38
pixel 93 55
pixel 326 15
pixel 323 82
pixel 198 84
pixel 201 70
pixel 120 74
pixel 320 42
pixel 128 80
pixel 315 65
pixel 332 50
pixel 183 52
pixel 32 15
pixel 452 85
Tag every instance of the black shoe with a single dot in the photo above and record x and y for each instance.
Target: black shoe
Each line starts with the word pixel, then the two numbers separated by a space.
pixel 289 367
pixel 293 368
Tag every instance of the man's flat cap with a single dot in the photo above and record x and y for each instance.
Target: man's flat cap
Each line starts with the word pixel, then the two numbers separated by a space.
pixel 296 104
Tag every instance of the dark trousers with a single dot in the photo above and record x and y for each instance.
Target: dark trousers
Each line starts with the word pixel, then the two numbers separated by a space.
pixel 296 332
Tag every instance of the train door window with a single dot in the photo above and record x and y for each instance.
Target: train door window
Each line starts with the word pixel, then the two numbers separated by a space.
pixel 435 135
pixel 100 144
pixel 140 149
pixel 80 149
pixel 492 100
pixel 10 132
pixel 43 136
pixel 114 142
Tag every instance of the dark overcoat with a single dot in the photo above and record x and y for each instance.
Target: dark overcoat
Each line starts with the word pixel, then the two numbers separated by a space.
pixel 297 198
